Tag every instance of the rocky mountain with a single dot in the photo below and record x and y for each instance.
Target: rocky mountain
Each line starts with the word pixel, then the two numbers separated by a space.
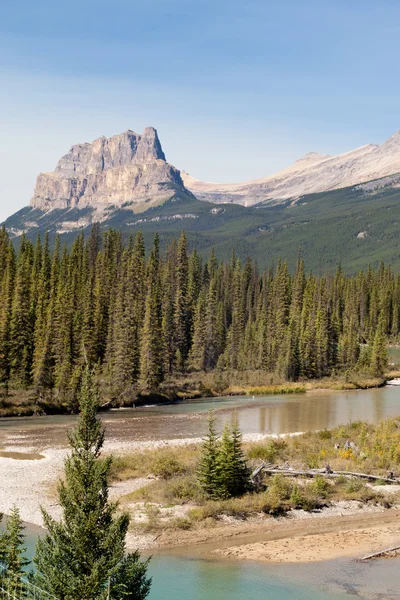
pixel 124 182
pixel 125 170
pixel 314 173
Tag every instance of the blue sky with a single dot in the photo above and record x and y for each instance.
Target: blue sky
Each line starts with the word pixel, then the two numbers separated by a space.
pixel 237 90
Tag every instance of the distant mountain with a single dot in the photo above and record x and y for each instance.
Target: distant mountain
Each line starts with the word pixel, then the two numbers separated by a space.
pixel 314 173
pixel 125 182
pixel 128 169
pixel 357 226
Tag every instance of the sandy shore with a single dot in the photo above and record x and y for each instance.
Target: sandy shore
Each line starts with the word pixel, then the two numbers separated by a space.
pixel 30 484
pixel 355 541
pixel 346 529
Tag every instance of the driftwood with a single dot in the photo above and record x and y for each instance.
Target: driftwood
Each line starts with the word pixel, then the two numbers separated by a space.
pixel 378 554
pixel 325 472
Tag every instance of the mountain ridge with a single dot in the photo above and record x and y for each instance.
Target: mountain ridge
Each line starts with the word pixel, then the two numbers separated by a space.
pixel 312 173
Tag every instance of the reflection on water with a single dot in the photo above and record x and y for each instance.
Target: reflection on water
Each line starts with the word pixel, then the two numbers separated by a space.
pixel 269 414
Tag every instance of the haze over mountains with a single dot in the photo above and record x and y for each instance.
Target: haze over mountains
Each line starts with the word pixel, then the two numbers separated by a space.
pixel 344 207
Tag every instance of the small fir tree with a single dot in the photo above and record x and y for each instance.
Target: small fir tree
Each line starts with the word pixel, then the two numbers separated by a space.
pixel 208 466
pixel 233 474
pixel 379 354
pixel 83 556
pixel 12 557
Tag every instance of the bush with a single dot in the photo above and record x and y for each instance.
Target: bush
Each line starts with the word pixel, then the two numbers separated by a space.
pixel 181 523
pixel 182 489
pixel 269 452
pixel 306 498
pixel 275 500
pixel 320 486
pixel 354 485
pixel 166 466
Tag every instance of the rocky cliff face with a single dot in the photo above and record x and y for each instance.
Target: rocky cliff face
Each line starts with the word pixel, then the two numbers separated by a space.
pixel 126 169
pixel 311 174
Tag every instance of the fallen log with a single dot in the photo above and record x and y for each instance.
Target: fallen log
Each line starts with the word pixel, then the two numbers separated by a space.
pixel 378 554
pixel 332 474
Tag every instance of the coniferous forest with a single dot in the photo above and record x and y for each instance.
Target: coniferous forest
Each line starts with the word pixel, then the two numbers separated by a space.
pixel 140 318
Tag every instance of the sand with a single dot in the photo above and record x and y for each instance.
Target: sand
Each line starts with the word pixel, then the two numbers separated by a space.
pixel 318 547
pixel 347 529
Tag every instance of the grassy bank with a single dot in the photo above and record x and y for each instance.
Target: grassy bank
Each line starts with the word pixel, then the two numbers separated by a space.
pixel 174 500
pixel 23 402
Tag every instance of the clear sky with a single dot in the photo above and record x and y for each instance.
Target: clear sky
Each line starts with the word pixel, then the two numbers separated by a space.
pixel 236 89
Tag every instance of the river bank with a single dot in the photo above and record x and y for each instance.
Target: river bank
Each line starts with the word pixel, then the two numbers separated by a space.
pixel 342 529
pixel 32 452
pixel 23 402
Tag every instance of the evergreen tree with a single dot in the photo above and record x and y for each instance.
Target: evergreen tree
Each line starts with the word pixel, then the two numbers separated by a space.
pixel 83 554
pixel 233 473
pixel 12 557
pixel 379 354
pixel 181 313
pixel 208 467
pixel 21 323
pixel 152 364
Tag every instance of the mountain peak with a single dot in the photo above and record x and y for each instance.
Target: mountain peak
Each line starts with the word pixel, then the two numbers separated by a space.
pixel 313 157
pixel 124 168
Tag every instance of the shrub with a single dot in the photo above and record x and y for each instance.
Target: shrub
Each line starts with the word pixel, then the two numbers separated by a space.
pixel 320 486
pixel 275 500
pixel 182 489
pixel 166 466
pixel 354 485
pixel 181 523
pixel 268 452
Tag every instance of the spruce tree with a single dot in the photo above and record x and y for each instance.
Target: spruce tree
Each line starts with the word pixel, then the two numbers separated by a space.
pixel 152 344
pixel 232 471
pixel 84 554
pixel 12 556
pixel 207 473
pixel 379 354
pixel 181 312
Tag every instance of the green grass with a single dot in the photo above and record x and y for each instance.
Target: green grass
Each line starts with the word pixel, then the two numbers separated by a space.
pixel 376 451
pixel 277 389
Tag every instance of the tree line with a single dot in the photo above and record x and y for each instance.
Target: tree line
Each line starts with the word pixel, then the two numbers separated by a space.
pixel 139 320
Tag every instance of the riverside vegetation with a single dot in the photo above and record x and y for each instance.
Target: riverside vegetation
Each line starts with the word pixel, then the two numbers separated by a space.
pixel 82 556
pixel 170 324
pixel 212 481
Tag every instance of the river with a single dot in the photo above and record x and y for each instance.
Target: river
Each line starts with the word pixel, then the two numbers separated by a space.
pixel 183 578
pixel 268 414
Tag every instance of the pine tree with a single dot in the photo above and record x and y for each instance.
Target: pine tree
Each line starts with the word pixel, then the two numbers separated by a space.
pixel 12 557
pixel 207 473
pixel 152 364
pixel 21 324
pixel 232 471
pixel 78 556
pixel 181 313
pixel 6 296
pixel 198 349
pixel 379 354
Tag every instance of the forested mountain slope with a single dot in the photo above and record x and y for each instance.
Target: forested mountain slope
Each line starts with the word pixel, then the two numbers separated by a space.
pixel 357 226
